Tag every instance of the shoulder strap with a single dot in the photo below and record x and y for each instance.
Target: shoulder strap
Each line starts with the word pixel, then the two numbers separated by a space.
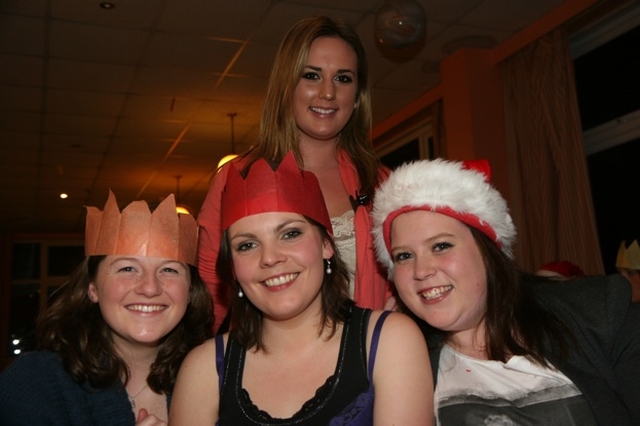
pixel 374 341
pixel 220 366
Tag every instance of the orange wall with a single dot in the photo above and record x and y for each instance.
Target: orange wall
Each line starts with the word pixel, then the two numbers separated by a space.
pixel 471 93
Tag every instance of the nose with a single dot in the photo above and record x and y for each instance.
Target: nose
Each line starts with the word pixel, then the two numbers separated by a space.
pixel 270 256
pixel 423 268
pixel 328 91
pixel 149 285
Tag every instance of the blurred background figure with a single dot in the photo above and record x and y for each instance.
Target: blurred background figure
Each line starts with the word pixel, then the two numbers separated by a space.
pixel 560 270
pixel 628 265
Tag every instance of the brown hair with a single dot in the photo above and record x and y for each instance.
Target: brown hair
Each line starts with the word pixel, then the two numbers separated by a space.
pixel 278 129
pixel 74 328
pixel 515 323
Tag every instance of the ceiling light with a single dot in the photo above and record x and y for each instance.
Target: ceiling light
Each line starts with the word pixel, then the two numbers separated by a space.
pixel 180 209
pixel 226 159
pixel 64 196
pixel 107 5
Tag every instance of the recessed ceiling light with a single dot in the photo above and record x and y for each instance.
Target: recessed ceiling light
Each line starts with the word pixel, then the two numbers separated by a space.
pixel 63 196
pixel 107 5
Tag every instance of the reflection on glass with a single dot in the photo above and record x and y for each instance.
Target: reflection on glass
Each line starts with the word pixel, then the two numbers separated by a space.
pixel 25 301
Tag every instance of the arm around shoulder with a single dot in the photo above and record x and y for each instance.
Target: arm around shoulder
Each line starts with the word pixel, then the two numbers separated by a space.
pixel 402 374
pixel 195 398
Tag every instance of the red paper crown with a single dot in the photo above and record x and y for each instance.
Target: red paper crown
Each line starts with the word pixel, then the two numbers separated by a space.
pixel 264 190
pixel 138 232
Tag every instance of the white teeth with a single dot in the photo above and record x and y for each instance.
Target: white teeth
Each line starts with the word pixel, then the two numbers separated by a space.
pixel 323 111
pixel 436 292
pixel 146 308
pixel 283 279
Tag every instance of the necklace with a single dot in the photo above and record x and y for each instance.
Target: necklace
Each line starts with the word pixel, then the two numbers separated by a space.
pixel 132 399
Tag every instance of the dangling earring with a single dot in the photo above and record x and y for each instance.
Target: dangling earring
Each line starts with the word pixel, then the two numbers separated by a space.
pixel 328 270
pixel 240 293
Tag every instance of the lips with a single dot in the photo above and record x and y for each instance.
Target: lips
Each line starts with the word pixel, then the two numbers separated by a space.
pixel 323 110
pixel 280 280
pixel 146 308
pixel 436 292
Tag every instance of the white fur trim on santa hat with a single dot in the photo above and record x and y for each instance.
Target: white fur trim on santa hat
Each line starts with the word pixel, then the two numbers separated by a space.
pixel 435 185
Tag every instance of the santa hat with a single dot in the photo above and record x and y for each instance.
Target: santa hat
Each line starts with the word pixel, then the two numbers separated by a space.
pixel 457 189
pixel 563 268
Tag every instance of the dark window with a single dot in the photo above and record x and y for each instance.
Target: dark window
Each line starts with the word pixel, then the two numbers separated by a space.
pixel 608 80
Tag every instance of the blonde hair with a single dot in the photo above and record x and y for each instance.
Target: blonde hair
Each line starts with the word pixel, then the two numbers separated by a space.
pixel 278 129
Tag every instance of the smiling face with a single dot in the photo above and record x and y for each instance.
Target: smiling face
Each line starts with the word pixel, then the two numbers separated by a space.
pixel 141 298
pixel 439 272
pixel 325 97
pixel 278 259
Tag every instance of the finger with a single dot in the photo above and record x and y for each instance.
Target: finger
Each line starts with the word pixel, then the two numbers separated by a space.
pixel 142 414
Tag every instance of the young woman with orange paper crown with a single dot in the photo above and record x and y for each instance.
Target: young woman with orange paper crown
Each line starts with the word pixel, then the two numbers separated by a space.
pixel 506 346
pixel 299 351
pixel 317 105
pixel 113 340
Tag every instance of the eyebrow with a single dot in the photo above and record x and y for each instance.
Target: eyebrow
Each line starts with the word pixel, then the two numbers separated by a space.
pixel 428 240
pixel 278 228
pixel 340 71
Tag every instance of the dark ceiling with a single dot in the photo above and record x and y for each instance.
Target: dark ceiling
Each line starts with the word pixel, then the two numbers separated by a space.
pixel 138 98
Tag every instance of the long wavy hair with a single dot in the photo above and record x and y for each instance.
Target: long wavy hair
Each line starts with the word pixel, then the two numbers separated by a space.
pixel 278 130
pixel 515 322
pixel 73 327
pixel 247 319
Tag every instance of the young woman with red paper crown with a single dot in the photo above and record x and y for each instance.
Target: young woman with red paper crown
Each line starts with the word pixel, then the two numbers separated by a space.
pixel 112 341
pixel 318 106
pixel 507 347
pixel 299 351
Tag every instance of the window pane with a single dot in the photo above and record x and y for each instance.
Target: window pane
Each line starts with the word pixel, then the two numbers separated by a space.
pixel 64 259
pixel 26 261
pixel 25 301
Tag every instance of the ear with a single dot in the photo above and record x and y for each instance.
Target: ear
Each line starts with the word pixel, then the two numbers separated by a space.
pixel 327 250
pixel 92 292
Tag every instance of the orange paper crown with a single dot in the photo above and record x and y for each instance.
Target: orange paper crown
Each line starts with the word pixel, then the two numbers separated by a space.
pixel 138 232
pixel 264 190
pixel 629 257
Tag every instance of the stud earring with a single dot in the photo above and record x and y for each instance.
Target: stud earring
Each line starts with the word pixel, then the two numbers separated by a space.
pixel 328 270
pixel 240 293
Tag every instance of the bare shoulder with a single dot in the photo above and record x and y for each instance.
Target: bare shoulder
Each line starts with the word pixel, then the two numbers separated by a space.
pixel 204 350
pixel 200 359
pixel 402 373
pixel 196 393
pixel 398 324
pixel 399 336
